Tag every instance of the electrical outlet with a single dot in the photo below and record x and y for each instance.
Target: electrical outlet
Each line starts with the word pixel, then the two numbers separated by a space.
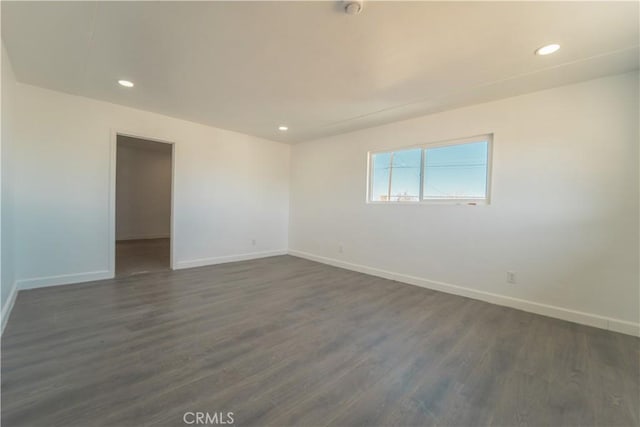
pixel 511 277
pixel 340 248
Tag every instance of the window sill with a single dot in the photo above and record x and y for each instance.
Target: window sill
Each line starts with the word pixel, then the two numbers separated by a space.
pixel 434 202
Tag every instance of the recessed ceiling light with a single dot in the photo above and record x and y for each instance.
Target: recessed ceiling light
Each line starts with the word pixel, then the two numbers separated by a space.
pixel 283 128
pixel 125 83
pixel 548 49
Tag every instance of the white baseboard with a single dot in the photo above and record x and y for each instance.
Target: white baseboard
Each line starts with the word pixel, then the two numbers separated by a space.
pixel 617 325
pixel 144 237
pixel 63 279
pixel 68 279
pixel 8 306
pixel 229 258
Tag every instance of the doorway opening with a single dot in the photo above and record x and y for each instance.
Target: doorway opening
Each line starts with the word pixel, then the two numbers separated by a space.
pixel 143 200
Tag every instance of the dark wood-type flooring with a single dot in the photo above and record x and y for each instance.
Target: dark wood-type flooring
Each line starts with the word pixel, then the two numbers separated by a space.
pixel 285 341
pixel 142 256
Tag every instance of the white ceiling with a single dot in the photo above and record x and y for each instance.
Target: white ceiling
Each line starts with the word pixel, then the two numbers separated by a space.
pixel 251 66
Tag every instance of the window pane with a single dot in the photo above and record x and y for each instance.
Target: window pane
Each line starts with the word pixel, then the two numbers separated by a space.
pixel 456 171
pixel 405 175
pixel 380 168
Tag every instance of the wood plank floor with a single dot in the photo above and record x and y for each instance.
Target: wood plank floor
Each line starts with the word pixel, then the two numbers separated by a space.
pixel 286 341
pixel 142 256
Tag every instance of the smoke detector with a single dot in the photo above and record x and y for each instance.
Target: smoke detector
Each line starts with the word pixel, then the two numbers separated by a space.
pixel 353 7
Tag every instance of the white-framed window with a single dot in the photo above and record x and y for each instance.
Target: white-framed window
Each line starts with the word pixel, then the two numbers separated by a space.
pixel 454 171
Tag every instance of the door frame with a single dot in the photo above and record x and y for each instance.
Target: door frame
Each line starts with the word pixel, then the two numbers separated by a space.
pixel 112 195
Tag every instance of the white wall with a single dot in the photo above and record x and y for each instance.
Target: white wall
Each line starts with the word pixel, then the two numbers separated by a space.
pixel 8 141
pixel 230 188
pixel 564 211
pixel 143 190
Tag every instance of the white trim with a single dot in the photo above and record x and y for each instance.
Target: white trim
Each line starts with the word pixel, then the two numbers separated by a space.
pixel 603 322
pixel 8 306
pixel 432 202
pixel 112 197
pixel 624 327
pixel 111 220
pixel 228 258
pixel 145 237
pixel 63 279
pixel 91 276
pixel 440 143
